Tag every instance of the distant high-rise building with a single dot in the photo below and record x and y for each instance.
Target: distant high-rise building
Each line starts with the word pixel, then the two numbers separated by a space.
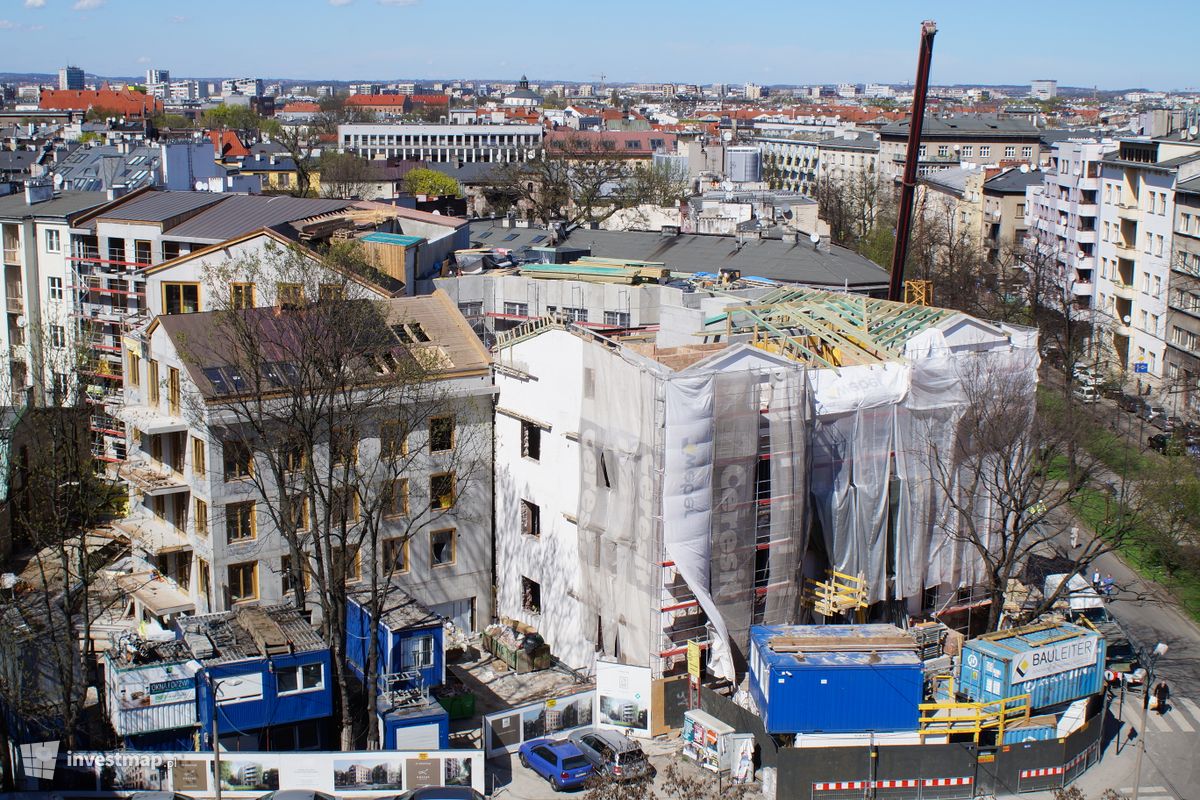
pixel 252 87
pixel 1043 89
pixel 70 78
pixel 753 91
pixel 157 76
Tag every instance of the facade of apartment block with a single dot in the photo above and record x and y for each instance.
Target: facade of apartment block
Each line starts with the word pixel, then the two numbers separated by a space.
pixel 951 141
pixel 1183 303
pixel 443 144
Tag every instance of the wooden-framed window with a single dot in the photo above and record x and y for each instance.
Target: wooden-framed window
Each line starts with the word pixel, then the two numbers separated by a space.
pixel 395 498
pixel 292 455
pixel 156 446
pixel 289 295
pixel 441 434
pixel 294 511
pixel 442 547
pixel 395 555
pixel 531 441
pixel 152 388
pixel 331 291
pixel 243 582
pixel 199 458
pixel 343 506
pixel 531 518
pixel 173 391
pixel 142 252
pixel 201 520
pixel 239 460
pixel 441 491
pixel 531 595
pixel 241 523
pixel 181 298
pixel 347 564
pixel 133 369
pixel 393 443
pixel 343 445
pixel 241 295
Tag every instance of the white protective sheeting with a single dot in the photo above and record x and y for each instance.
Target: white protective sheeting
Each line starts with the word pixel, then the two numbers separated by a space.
pixel 618 520
pixel 788 416
pixel 877 423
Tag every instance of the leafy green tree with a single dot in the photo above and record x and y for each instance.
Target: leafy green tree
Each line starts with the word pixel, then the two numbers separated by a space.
pixel 431 182
pixel 237 118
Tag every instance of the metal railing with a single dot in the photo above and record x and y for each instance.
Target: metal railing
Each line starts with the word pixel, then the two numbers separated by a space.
pixel 944 717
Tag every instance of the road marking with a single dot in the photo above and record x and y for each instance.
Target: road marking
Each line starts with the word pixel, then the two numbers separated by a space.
pixel 1192 708
pixel 1180 719
pixel 1158 723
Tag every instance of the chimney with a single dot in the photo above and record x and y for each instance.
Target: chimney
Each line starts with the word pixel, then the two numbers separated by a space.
pixel 825 245
pixel 38 191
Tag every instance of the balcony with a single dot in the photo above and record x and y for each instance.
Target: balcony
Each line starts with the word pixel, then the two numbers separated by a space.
pixel 151 420
pixel 15 304
pixel 1123 290
pixel 152 479
pixel 1080 289
pixel 12 255
pixel 1127 210
pixel 1126 246
pixel 152 535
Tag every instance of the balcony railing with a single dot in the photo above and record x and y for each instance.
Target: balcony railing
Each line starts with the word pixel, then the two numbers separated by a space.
pixel 12 255
pixel 15 305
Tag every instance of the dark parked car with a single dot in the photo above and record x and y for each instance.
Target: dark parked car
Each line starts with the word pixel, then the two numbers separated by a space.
pixel 1166 422
pixel 1129 402
pixel 613 755
pixel 439 793
pixel 561 762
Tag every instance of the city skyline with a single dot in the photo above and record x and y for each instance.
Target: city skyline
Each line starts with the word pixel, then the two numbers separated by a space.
pixel 372 40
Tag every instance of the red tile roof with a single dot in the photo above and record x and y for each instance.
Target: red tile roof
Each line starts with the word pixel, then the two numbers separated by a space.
pixel 127 103
pixel 430 99
pixel 226 144
pixel 301 108
pixel 377 100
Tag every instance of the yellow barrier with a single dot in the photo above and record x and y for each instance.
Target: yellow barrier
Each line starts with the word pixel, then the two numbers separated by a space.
pixel 952 717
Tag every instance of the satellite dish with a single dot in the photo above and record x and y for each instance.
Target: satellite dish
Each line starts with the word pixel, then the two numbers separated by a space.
pixel 1126 319
pixel 1194 130
pixel 815 238
pixel 21 321
pixel 1024 168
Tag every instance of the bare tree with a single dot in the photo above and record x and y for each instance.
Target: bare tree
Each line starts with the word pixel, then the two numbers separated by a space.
pixel 1002 478
pixel 57 497
pixel 345 176
pixel 342 411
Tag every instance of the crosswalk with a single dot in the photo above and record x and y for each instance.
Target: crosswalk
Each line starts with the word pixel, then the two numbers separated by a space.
pixel 1149 793
pixel 1183 716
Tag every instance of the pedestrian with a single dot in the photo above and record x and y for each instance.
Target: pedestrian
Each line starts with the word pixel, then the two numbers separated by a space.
pixel 1096 580
pixel 1074 537
pixel 1108 584
pixel 1161 693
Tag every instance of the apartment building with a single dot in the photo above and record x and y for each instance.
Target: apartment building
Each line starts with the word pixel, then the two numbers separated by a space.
pixel 1183 303
pixel 1137 221
pixel 1004 207
pixel 204 494
pixel 789 163
pixel 657 491
pixel 850 155
pixel 442 143
pixel 948 142
pixel 1063 216
pixel 38 336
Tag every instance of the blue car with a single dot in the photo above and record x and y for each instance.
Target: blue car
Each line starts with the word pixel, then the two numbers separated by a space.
pixel 561 763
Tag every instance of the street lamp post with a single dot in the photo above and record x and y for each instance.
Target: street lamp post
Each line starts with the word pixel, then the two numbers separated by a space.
pixel 1159 650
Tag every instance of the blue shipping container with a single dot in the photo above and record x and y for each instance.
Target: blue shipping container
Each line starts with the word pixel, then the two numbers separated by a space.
pixel 1034 729
pixel 832 691
pixel 1052 663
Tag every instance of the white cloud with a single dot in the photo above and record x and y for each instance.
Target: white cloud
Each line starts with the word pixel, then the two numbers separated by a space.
pixel 398 2
pixel 340 2
pixel 37 27
pixel 87 5
pixel 178 20
pixel 143 59
pixel 7 25
pixel 34 3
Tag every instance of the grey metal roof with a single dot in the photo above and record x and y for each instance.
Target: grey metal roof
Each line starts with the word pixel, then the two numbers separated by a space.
pixel 777 259
pixel 63 205
pixel 241 213
pixel 1014 181
pixel 17 160
pixel 966 125
pixel 855 140
pixel 489 233
pixel 1192 185
pixel 105 166
pixel 954 178
pixel 161 206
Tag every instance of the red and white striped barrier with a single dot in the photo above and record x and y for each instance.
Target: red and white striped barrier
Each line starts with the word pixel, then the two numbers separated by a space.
pixel 829 787
pixel 1041 773
pixel 907 784
pixel 949 781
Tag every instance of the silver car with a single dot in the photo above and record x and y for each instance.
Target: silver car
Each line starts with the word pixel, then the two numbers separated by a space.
pixel 613 755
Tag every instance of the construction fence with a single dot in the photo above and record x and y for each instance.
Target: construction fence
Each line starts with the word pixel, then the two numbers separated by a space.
pixel 956 771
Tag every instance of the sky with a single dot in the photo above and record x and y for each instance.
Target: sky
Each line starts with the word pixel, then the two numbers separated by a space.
pixel 699 41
